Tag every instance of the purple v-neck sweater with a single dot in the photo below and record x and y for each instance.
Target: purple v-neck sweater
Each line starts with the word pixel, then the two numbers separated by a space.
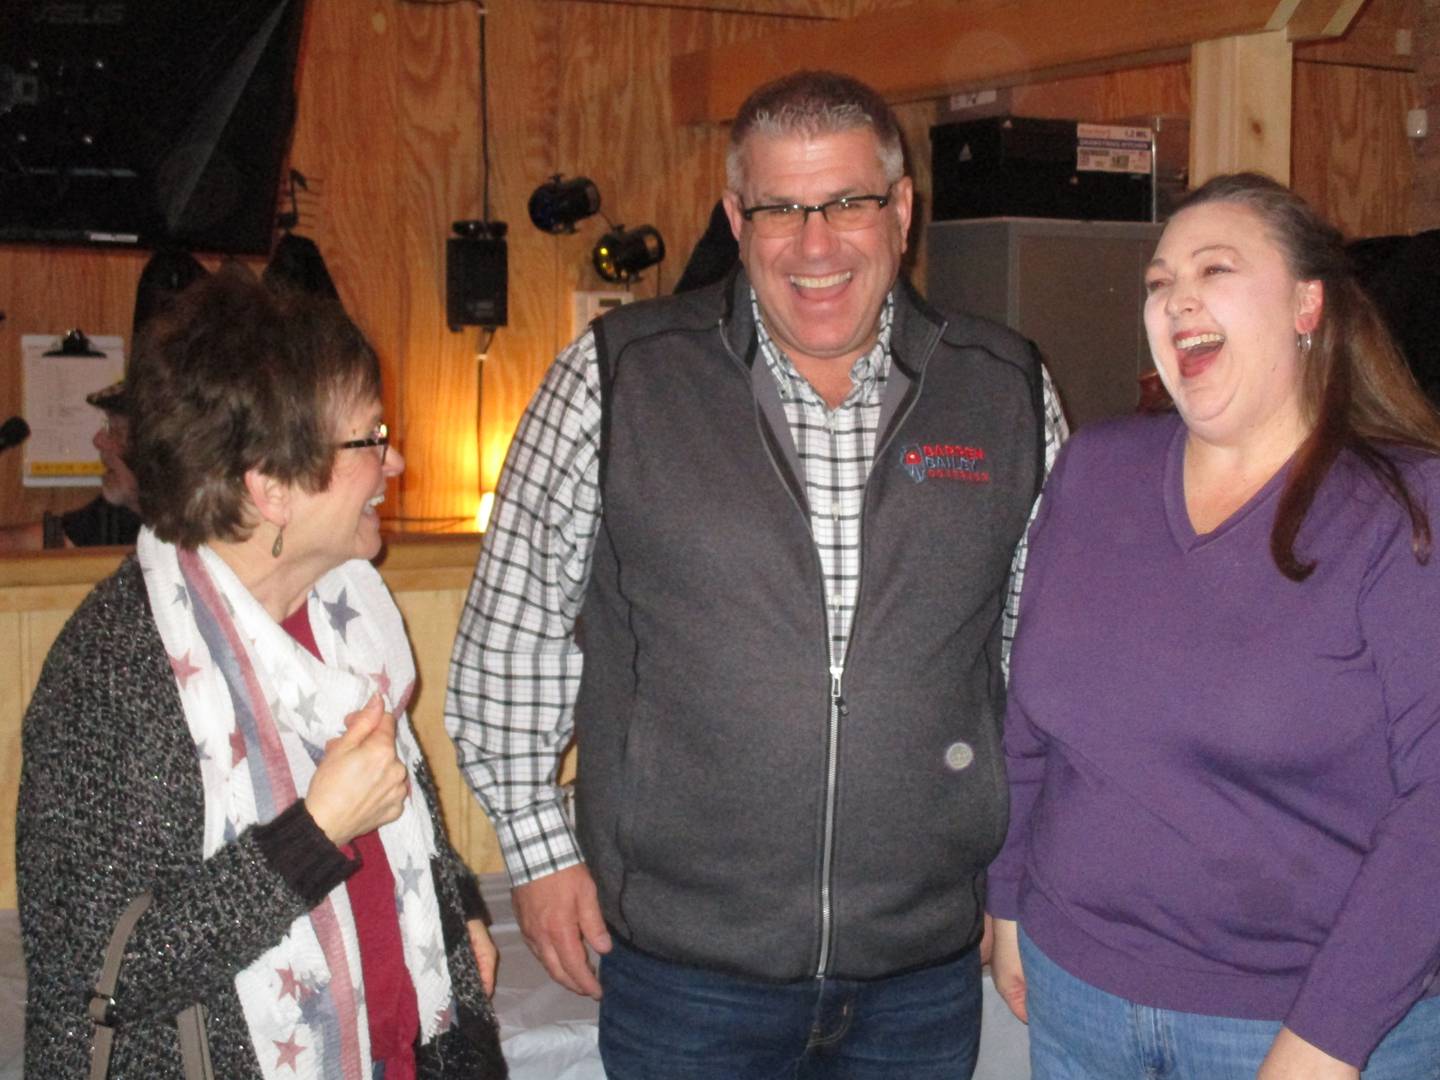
pixel 1225 785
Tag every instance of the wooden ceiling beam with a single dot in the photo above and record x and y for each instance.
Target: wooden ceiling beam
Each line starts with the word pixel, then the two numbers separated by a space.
pixel 928 49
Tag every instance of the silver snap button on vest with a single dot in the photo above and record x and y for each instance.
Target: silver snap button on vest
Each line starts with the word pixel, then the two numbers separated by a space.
pixel 959 756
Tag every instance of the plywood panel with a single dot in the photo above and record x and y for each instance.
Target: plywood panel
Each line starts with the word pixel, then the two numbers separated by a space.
pixel 13 692
pixel 1240 91
pixel 439 169
pixel 1158 90
pixel 523 47
pixel 431 618
pixel 347 143
pixel 1381 35
pixel 924 49
pixel 1351 157
pixel 615 124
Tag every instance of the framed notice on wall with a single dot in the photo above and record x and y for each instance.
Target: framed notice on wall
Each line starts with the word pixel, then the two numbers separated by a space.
pixel 58 373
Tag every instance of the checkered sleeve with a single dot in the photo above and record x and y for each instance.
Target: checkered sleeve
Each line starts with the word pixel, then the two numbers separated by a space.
pixel 515 669
pixel 1056 432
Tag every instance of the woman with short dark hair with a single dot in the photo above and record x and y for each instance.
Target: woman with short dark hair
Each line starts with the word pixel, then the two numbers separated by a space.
pixel 222 725
pixel 1223 732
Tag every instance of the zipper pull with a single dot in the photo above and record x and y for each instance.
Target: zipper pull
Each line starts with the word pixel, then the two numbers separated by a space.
pixel 836 697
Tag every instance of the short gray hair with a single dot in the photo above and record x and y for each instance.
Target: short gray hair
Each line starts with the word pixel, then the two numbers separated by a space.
pixel 810 103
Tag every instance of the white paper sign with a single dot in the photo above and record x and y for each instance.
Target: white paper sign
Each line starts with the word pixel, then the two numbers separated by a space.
pixel 59 452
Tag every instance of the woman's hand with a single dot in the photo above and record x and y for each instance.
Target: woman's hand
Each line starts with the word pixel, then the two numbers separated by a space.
pixel 1292 1058
pixel 487 956
pixel 1005 967
pixel 360 783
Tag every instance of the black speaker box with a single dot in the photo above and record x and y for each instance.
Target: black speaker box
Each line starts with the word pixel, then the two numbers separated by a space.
pixel 476 281
pixel 1012 166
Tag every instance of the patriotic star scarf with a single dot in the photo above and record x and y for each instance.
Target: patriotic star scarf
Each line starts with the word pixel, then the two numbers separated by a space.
pixel 261 708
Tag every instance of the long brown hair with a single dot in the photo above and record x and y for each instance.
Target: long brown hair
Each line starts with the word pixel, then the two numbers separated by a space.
pixel 1357 391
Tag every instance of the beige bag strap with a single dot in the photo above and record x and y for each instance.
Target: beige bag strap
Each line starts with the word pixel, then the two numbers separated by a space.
pixel 194 1043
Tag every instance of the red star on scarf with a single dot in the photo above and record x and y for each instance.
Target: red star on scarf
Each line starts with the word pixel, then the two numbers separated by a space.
pixel 182 668
pixel 237 747
pixel 289 1052
pixel 382 679
pixel 289 984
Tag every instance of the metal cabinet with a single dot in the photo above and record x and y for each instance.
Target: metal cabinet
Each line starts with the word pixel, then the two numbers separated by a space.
pixel 1072 287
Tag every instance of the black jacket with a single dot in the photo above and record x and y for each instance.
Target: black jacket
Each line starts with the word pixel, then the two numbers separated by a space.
pixel 111 805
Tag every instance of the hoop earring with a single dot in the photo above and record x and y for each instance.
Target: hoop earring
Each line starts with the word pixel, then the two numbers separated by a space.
pixel 1305 341
pixel 276 547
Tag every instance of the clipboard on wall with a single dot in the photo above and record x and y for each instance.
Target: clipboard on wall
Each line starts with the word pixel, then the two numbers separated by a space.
pixel 58 372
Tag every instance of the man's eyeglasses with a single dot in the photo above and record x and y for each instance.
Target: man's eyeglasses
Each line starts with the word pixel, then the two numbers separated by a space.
pixel 379 436
pixel 849 213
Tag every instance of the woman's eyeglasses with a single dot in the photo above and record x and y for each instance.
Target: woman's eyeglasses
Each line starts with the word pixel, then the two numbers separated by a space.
pixel 379 436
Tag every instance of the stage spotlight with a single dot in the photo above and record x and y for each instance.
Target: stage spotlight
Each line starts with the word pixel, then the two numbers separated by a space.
pixel 622 253
pixel 557 204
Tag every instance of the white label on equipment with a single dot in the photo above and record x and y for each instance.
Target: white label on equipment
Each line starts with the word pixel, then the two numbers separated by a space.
pixel 1113 148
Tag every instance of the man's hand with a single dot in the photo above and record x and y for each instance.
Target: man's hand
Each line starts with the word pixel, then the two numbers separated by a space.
pixel 559 914
pixel 1292 1058
pixel 487 956
pixel 1005 967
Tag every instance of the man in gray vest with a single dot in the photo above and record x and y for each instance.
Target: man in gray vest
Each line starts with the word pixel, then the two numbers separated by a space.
pixel 783 511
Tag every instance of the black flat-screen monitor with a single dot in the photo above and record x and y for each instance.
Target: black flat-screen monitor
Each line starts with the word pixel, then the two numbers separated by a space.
pixel 145 123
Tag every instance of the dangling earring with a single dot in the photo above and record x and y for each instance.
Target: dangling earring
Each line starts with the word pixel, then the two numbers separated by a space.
pixel 279 542
pixel 1305 341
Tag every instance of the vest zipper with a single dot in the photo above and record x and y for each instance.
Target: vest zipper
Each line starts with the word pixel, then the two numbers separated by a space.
pixel 832 766
pixel 837 708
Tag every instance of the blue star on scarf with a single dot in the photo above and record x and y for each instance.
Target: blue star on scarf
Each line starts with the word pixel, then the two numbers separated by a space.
pixel 340 613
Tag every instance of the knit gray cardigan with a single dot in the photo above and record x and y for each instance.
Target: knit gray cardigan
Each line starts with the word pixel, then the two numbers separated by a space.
pixel 111 804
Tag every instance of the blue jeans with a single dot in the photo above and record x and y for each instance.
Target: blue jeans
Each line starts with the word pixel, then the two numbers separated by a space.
pixel 1078 1032
pixel 664 1021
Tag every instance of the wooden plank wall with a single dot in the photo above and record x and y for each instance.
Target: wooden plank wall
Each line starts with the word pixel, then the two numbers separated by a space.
pixel 388 132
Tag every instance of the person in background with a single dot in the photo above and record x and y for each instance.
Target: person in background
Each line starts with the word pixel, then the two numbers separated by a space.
pixel 790 779
pixel 222 724
pixel 112 517
pixel 716 253
pixel 1223 735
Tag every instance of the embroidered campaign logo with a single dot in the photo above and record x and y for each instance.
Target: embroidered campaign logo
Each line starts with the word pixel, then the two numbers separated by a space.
pixel 944 461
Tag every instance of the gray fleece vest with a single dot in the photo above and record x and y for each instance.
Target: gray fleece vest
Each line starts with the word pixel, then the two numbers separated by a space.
pixel 738 809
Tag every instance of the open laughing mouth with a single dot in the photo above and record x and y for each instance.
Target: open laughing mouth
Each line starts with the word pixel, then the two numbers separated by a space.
pixel 1196 350
pixel 825 281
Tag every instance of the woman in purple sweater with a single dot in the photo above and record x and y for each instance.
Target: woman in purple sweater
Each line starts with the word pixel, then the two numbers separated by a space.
pixel 1224 724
